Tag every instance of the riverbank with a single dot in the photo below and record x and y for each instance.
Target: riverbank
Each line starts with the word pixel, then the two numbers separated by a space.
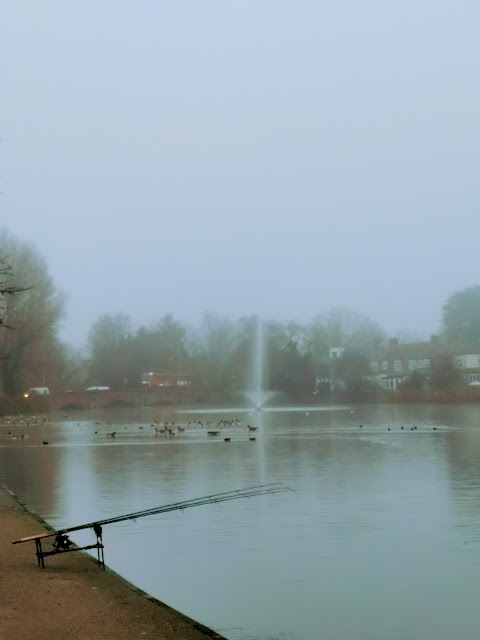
pixel 72 599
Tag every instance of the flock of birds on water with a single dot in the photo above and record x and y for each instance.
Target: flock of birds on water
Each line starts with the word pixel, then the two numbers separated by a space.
pixel 166 428
pixel 169 428
pixel 415 428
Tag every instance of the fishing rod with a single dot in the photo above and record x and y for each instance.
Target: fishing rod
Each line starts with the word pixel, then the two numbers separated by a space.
pixel 63 543
pixel 247 492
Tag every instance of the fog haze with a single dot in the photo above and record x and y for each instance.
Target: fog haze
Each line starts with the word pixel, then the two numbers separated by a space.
pixel 265 157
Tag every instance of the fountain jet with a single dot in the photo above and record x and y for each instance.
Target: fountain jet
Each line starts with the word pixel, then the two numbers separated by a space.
pixel 257 394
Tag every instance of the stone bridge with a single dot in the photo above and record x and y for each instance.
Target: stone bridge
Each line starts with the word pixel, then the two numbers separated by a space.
pixel 122 398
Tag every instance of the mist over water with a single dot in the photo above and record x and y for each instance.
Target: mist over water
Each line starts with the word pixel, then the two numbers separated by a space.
pixel 381 538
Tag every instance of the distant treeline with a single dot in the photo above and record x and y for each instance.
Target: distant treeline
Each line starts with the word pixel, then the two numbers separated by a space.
pixel 221 354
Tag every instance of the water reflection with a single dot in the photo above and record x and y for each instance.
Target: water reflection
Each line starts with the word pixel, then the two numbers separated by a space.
pixel 381 538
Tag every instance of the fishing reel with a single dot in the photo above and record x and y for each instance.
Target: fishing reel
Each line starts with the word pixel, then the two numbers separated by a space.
pixel 62 542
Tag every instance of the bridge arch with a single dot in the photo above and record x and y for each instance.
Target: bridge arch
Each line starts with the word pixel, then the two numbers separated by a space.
pixel 71 406
pixel 91 400
pixel 118 403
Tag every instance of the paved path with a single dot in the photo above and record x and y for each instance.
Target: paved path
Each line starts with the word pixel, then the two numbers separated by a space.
pixel 72 599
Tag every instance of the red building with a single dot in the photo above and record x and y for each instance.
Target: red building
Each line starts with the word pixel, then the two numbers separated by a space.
pixel 167 380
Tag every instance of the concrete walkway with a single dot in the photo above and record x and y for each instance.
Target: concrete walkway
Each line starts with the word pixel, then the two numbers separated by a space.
pixel 72 599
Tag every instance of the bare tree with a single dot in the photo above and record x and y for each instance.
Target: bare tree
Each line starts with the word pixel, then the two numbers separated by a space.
pixel 7 289
pixel 29 323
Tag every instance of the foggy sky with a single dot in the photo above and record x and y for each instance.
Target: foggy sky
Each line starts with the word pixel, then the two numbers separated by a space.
pixel 241 157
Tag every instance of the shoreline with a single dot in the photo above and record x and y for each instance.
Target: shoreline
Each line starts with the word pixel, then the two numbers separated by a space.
pixel 72 598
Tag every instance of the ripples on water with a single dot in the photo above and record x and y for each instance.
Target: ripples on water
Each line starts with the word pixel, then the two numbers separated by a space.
pixel 381 538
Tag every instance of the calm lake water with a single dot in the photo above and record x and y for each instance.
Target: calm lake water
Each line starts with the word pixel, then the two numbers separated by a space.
pixel 381 538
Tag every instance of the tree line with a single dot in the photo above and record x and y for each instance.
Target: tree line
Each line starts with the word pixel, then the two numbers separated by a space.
pixel 218 354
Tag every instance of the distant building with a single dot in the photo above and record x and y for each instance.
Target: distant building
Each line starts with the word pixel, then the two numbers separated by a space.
pixel 394 364
pixel 469 365
pixel 328 379
pixel 335 352
pixel 181 381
